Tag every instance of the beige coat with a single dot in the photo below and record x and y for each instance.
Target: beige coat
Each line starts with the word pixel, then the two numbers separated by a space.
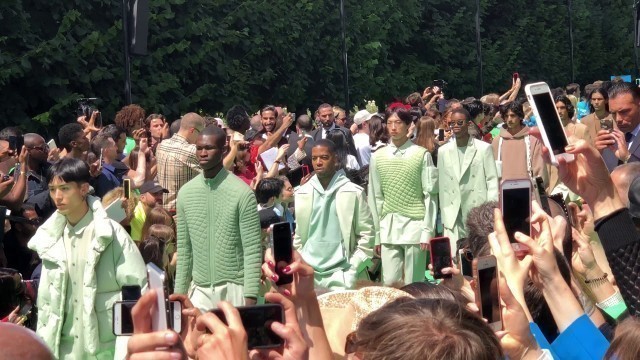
pixel 514 155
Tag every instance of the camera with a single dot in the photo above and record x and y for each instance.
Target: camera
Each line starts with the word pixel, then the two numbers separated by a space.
pixel 86 107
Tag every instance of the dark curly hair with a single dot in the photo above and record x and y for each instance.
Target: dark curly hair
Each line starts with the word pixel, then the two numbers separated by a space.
pixel 130 117
pixel 238 118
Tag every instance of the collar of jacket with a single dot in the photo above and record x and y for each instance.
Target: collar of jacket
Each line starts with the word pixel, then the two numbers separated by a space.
pixel 51 232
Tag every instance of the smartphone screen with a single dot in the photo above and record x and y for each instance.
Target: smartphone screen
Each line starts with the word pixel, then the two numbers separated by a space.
pixel 305 170
pixel 126 183
pixel 282 246
pixel 489 296
pixel 516 204
pixel 440 257
pixel 466 262
pixel 257 322
pixel 123 321
pixel 551 122
pixel 440 134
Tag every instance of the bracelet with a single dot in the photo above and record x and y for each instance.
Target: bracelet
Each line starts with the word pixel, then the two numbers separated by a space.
pixel 597 281
pixel 612 300
pixel 23 172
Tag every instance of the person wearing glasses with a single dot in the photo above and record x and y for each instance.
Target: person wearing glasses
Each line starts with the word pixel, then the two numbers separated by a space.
pixel 177 160
pixel 467 176
pixel 38 166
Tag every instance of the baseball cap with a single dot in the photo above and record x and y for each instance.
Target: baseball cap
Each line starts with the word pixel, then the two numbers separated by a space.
pixel 634 198
pixel 152 187
pixel 362 116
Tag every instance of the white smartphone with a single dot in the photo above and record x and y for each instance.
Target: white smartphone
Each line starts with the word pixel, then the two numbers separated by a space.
pixel 115 211
pixel 52 144
pixel 487 291
pixel 515 203
pixel 549 123
pixel 161 317
pixel 123 323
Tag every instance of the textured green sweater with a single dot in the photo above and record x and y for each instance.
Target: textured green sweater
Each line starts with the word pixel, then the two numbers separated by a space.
pixel 401 181
pixel 218 234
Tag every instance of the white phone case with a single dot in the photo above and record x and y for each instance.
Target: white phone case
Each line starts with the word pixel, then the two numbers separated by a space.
pixel 160 317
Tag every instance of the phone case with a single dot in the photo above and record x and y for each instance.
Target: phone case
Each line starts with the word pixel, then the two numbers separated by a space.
pixel 476 290
pixel 431 252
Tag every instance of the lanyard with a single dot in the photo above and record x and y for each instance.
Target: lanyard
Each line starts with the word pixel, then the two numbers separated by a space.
pixel 527 145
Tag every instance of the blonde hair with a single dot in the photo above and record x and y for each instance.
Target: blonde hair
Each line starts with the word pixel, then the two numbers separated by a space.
pixel 118 193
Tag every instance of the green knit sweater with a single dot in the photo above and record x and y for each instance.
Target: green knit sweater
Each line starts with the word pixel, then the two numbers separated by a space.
pixel 218 234
pixel 401 183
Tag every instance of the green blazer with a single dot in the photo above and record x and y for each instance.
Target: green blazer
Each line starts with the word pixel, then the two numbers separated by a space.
pixel 356 223
pixel 471 185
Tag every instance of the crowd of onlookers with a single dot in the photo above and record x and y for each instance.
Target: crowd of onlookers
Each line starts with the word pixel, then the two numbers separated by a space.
pixel 362 195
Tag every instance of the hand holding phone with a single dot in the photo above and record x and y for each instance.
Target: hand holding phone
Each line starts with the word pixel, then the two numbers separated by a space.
pixel 515 203
pixel 550 125
pixel 256 321
pixel 440 251
pixel 485 274
pixel 282 247
pixel 126 184
pixel 440 134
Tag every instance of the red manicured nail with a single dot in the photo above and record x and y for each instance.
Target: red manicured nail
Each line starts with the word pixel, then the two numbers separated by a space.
pixel 287 269
pixel 287 292
pixel 271 264
pixel 274 277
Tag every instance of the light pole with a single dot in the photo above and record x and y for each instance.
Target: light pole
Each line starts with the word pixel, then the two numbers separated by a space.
pixel 479 48
pixel 570 9
pixel 345 67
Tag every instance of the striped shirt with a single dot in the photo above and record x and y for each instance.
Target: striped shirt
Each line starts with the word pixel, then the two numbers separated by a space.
pixel 177 164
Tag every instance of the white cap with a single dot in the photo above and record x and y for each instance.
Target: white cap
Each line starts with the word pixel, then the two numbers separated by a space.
pixel 362 116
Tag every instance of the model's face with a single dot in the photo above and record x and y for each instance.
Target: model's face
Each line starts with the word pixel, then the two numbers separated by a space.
pixel 155 127
pixel 562 111
pixel 459 124
pixel 626 112
pixel 268 120
pixel 286 196
pixel 210 151
pixel 396 127
pixel 512 120
pixel 324 162
pixel 598 102
pixel 68 197
pixel 326 117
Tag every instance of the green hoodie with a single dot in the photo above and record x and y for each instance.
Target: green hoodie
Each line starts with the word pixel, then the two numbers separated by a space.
pixel 324 249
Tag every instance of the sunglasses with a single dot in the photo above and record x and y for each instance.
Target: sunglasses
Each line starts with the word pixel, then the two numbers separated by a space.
pixel 459 122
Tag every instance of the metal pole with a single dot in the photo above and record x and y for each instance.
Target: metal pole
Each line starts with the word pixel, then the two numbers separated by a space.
pixel 345 67
pixel 636 41
pixel 127 57
pixel 479 48
pixel 573 71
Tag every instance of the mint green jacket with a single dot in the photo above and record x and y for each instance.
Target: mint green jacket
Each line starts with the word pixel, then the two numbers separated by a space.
pixel 356 223
pixel 111 262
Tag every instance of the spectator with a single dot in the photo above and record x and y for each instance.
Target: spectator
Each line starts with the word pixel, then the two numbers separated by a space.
pixel 624 105
pixel 346 161
pixel 37 173
pixel 267 192
pixel 176 158
pixel 425 137
pixel 599 106
pixel 158 129
pixel 622 176
pixel 131 119
pixel 361 139
pixel 157 215
pixel 151 195
pixel 73 141
pixel 340 116
pixel 327 119
pixel 112 170
pixel 23 227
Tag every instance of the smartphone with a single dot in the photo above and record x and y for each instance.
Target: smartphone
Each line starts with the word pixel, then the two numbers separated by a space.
pixel 25 310
pixel 101 152
pixel 606 124
pixel 485 274
pixel 465 259
pixel 161 317
pixel 440 251
pixel 6 178
pixel 257 321
pixel 440 134
pixel 131 292
pixel 305 170
pixel 16 143
pixel 282 248
pixel 123 322
pixel 550 125
pixel 126 184
pixel 115 211
pixel 515 76
pixel 515 203
pixel 293 116
pixel 52 144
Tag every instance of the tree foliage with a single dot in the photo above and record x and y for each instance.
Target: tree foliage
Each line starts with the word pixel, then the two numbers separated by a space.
pixel 206 55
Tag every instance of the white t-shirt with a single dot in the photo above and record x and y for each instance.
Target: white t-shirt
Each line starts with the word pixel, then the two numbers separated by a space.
pixel 363 147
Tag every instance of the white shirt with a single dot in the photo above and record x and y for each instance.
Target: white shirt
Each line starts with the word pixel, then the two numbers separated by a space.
pixel 324 131
pixel 361 142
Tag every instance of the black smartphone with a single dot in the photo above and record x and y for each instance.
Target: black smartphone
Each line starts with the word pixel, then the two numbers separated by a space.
pixel 465 259
pixel 440 251
pixel 123 321
pixel 25 310
pixel 257 321
pixel 126 184
pixel 440 134
pixel 515 200
pixel 282 247
pixel 485 272
pixel 131 292
pixel 16 143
